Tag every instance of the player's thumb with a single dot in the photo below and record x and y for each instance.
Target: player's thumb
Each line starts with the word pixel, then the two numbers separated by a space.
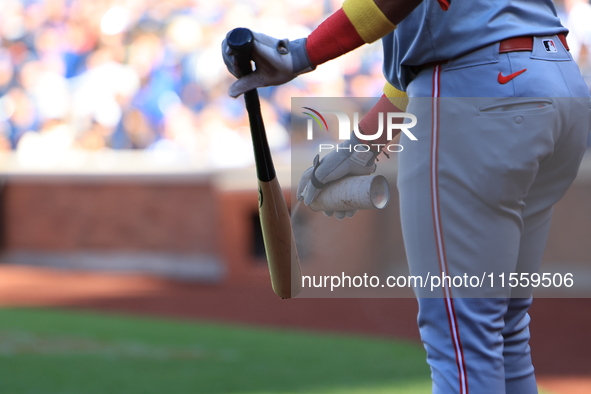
pixel 246 83
pixel 304 182
pixel 310 194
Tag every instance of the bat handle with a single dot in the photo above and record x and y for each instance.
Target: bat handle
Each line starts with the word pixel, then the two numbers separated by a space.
pixel 241 42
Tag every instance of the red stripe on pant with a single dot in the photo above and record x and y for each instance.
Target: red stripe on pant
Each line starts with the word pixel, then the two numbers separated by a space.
pixel 438 228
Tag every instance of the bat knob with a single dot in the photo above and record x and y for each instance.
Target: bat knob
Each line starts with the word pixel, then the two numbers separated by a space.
pixel 241 41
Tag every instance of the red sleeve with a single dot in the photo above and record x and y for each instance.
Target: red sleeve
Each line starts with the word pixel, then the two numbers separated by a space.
pixel 333 38
pixel 369 124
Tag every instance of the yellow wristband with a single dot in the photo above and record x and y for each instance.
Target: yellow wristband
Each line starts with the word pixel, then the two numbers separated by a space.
pixel 367 18
pixel 397 97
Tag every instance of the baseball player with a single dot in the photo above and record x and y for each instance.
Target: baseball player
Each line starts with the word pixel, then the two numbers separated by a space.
pixel 503 120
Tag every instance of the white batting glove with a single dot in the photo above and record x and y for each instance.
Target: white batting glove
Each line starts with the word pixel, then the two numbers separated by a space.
pixel 339 163
pixel 277 62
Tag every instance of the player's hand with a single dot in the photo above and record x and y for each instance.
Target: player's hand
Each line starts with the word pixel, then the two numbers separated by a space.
pixel 277 62
pixel 335 165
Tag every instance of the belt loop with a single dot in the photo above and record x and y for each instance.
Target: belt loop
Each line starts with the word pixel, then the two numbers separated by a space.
pixel 562 38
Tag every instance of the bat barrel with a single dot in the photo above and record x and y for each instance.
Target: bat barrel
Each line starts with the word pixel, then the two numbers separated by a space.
pixel 353 193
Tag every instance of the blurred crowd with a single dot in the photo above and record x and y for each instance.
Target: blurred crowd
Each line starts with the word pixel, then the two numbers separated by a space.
pixel 148 74
pixel 576 16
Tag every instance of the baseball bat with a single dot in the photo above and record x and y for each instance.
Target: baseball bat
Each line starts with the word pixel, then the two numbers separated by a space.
pixel 282 257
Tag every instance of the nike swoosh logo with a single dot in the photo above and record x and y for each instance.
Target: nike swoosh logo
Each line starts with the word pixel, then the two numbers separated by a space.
pixel 504 79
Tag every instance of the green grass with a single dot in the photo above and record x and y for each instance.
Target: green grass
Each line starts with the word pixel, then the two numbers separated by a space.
pixel 66 352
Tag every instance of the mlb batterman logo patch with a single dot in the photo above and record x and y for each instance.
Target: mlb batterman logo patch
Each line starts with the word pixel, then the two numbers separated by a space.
pixel 549 46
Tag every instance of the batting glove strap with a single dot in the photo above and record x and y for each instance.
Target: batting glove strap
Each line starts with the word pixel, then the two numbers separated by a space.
pixel 300 59
pixel 315 182
pixel 357 153
pixel 348 150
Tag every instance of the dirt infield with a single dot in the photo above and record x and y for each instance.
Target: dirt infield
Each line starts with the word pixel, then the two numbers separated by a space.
pixel 560 327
